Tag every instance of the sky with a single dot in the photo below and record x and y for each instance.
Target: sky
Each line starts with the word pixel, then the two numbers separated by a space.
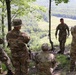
pixel 71 3
pixel 43 2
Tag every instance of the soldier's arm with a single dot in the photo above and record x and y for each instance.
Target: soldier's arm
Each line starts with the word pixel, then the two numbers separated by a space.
pixel 67 29
pixel 53 60
pixel 1 41
pixel 72 30
pixel 56 31
pixel 7 36
pixel 36 58
pixel 26 37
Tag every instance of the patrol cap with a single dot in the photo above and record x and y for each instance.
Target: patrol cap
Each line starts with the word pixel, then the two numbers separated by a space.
pixel 61 19
pixel 44 46
pixel 16 22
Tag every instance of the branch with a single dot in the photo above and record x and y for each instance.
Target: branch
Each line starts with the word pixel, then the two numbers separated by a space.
pixel 1 1
pixel 14 14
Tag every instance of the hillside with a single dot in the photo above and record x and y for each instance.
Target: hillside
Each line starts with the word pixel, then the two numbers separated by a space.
pixel 62 10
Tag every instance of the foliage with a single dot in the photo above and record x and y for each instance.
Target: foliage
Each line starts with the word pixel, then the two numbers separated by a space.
pixel 24 7
pixel 4 67
pixel 60 1
pixel 36 37
pixel 61 10
pixel 63 61
pixel 19 8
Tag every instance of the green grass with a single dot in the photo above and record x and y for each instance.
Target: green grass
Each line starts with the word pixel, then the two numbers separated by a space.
pixel 4 67
pixel 64 63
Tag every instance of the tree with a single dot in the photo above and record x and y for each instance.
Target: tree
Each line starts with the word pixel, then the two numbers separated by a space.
pixel 8 6
pixel 17 8
pixel 60 1
pixel 2 13
pixel 50 25
pixel 3 23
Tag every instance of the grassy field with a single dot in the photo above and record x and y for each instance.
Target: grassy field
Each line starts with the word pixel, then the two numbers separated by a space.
pixel 54 22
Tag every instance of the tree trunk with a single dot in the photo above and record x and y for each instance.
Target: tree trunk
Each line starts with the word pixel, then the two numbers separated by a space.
pixel 50 25
pixel 8 14
pixel 3 24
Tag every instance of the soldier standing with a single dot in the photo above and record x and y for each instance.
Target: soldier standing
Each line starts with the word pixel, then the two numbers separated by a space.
pixel 5 59
pixel 45 61
pixel 73 49
pixel 63 32
pixel 17 41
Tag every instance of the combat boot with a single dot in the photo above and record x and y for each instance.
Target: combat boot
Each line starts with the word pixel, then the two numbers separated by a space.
pixel 9 72
pixel 60 52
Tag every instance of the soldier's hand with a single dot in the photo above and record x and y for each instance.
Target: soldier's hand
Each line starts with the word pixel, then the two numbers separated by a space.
pixel 68 35
pixel 56 36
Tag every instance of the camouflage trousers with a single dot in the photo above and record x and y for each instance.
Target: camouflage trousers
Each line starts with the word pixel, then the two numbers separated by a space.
pixel 73 59
pixel 44 72
pixel 20 65
pixel 62 40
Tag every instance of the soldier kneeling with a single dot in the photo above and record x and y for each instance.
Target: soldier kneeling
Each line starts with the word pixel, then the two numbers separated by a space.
pixel 5 59
pixel 45 61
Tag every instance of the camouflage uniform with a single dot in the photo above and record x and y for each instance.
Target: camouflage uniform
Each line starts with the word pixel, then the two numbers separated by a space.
pixel 63 28
pixel 73 49
pixel 17 42
pixel 45 62
pixel 4 58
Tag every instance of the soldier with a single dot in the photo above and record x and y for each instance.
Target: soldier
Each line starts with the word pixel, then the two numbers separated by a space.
pixel 5 59
pixel 63 29
pixel 45 61
pixel 73 49
pixel 17 41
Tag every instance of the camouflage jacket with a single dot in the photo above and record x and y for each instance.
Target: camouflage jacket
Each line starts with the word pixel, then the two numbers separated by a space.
pixel 45 60
pixel 1 41
pixel 17 42
pixel 62 29
pixel 73 32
